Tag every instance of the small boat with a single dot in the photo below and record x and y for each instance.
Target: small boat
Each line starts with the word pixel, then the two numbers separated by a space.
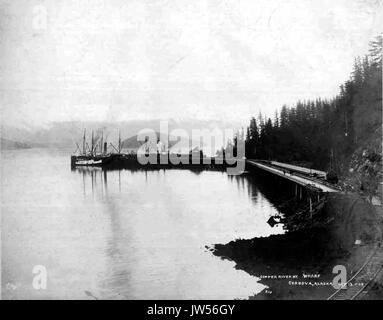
pixel 90 160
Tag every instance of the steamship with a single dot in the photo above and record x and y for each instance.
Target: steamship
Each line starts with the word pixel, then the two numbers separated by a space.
pixel 95 154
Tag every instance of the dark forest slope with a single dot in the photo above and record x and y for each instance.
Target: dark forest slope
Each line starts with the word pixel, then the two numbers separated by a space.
pixel 343 134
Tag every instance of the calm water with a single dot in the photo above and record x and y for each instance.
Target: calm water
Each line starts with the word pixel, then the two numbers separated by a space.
pixel 124 234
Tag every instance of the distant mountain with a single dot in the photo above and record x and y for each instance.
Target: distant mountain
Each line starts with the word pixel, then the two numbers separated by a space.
pixel 67 134
pixel 10 145
pixel 133 143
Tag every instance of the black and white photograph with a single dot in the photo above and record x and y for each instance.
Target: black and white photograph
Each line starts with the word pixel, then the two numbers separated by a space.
pixel 205 150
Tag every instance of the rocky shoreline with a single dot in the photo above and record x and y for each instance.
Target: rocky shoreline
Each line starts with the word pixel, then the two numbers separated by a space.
pixel 298 264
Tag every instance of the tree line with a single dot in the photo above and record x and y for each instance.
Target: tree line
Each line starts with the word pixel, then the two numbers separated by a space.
pixel 324 133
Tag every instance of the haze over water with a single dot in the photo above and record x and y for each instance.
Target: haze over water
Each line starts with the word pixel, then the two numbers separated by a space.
pixel 124 234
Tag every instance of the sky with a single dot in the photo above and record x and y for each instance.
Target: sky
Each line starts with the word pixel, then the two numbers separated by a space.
pixel 115 60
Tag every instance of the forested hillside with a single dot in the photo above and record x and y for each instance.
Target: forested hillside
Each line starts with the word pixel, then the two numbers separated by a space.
pixel 335 134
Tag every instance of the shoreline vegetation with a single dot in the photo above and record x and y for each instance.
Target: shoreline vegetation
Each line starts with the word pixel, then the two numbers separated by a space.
pixel 341 135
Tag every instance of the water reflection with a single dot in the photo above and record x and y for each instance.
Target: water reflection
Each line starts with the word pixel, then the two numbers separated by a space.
pixel 125 234
pixel 180 214
pixel 249 183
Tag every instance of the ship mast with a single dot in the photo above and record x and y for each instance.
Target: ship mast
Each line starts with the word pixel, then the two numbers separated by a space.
pixel 92 144
pixel 102 141
pixel 83 143
pixel 119 141
pixel 118 149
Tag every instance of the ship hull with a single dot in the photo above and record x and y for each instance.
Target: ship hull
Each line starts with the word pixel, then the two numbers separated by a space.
pixel 90 161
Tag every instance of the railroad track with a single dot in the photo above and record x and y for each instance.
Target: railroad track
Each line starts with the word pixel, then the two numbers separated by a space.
pixel 360 282
pixel 305 175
